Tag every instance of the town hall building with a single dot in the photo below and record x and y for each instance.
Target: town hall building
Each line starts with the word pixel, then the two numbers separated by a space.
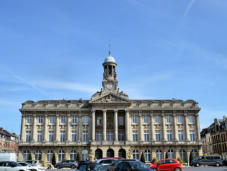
pixel 110 124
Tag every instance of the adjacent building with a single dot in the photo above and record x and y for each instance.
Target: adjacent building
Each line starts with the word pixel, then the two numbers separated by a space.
pixel 8 141
pixel 110 125
pixel 214 138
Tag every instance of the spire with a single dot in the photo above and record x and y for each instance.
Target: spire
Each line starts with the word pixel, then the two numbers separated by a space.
pixel 109 49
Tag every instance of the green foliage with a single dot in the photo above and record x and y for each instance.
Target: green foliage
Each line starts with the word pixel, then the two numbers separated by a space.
pixel 78 157
pixel 43 163
pixel 166 156
pixel 154 160
pixel 179 159
pixel 53 160
pixel 30 156
pixel 142 158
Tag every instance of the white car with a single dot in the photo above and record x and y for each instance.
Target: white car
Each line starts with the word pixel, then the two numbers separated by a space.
pixel 32 167
pixel 12 166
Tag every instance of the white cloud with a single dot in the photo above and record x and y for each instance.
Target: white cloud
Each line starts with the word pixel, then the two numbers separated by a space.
pixel 189 7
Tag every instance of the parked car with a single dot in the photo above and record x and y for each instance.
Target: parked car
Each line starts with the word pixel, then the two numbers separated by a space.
pixel 167 165
pixel 132 165
pixel 107 161
pixel 67 163
pixel 88 166
pixel 32 167
pixel 113 165
pixel 34 162
pixel 12 166
pixel 208 160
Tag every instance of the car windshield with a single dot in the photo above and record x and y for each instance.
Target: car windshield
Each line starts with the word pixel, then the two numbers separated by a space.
pixel 92 166
pixel 138 165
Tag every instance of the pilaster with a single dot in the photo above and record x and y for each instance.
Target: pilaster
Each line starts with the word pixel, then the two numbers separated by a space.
pixel 116 125
pixel 46 128
pixel 104 125
pixel 34 129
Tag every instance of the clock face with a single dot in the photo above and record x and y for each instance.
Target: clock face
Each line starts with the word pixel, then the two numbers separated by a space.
pixel 109 85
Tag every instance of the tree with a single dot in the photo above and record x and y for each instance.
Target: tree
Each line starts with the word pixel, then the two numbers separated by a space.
pixel 30 156
pixel 154 160
pixel 78 157
pixel 142 158
pixel 53 159
pixel 166 156
pixel 179 159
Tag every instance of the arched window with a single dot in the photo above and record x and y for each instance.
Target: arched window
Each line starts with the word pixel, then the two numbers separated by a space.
pixel 26 155
pixel 147 155
pixel 122 153
pixel 98 154
pixel 110 153
pixel 73 155
pixel 85 155
pixel 159 154
pixel 61 155
pixel 183 155
pixel 135 154
pixel 38 155
pixel 49 155
pixel 170 154
pixel 194 154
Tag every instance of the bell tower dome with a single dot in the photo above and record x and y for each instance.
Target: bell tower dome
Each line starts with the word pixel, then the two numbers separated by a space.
pixel 109 75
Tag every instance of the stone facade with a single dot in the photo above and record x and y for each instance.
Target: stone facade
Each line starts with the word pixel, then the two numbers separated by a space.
pixel 8 141
pixel 215 137
pixel 109 125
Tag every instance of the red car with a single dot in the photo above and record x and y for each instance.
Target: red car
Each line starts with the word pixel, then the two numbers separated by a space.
pixel 167 165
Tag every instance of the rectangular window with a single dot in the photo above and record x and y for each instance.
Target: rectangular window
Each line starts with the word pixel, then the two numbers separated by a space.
pixel 191 119
pixel 40 119
pixel 158 135
pixel 40 136
pixel 157 119
pixel 85 136
pixel 135 135
pixel 62 136
pixel 121 136
pixel 99 136
pixel 74 120
pixel 121 120
pixel 51 119
pixel 99 121
pixel 134 119
pixel 74 136
pixel 146 119
pixel 29 120
pixel 85 120
pixel 181 135
pixel 192 135
pixel 146 135
pixel 63 120
pixel 28 136
pixel 169 135
pixel 51 136
pixel 180 119
pixel 109 136
pixel 168 119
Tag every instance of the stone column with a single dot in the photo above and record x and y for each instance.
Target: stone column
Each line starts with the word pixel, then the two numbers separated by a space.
pixel 80 128
pixel 188 156
pixel 197 126
pixel 116 125
pixel 186 127
pixel 127 126
pixel 141 127
pixel 93 125
pixel 34 129
pixel 163 127
pixel 69 130
pixel 104 125
pixel 57 128
pixel 46 128
pixel 175 133
pixel 23 122
pixel 152 128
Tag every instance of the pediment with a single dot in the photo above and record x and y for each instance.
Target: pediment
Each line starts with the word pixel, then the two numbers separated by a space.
pixel 110 98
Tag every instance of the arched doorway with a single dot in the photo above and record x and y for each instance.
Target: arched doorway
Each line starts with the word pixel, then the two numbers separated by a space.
pixel 122 153
pixel 98 154
pixel 110 153
pixel 85 155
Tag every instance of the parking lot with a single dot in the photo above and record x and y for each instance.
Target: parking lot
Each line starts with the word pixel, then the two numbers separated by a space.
pixel 185 169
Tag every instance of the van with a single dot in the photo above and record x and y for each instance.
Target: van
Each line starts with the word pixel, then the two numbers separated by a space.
pixel 208 160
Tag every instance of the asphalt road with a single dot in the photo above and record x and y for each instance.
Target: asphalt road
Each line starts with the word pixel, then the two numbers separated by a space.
pixel 185 169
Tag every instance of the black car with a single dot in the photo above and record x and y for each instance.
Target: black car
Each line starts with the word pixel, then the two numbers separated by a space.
pixel 88 166
pixel 67 163
pixel 132 165
pixel 208 160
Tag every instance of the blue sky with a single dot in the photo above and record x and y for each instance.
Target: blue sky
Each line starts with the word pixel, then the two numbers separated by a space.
pixel 52 49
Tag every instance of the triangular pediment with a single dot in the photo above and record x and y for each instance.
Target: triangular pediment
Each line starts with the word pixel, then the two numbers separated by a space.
pixel 109 98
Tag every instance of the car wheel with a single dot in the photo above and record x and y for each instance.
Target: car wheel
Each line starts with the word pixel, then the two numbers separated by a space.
pixel 177 169
pixel 59 167
pixel 217 164
pixel 197 164
pixel 73 167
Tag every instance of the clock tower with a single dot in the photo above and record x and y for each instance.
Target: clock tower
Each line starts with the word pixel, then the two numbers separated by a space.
pixel 109 82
